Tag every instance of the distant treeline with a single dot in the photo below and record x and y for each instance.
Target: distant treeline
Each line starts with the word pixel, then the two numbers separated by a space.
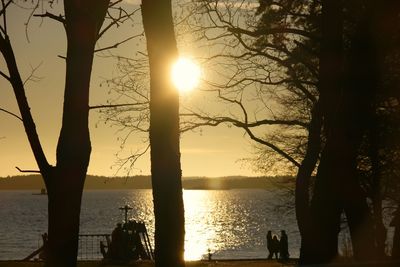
pixel 35 182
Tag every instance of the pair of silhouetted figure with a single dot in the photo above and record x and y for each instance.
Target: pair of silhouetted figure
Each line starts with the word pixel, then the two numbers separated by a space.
pixel 278 247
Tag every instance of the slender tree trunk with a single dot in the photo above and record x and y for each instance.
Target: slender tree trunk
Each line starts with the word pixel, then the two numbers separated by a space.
pixel 164 134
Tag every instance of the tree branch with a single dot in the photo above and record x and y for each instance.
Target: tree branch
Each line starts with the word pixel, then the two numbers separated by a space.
pixel 4 7
pixel 58 18
pixel 4 76
pixel 25 171
pixel 117 44
pixel 259 33
pixel 3 13
pixel 23 105
pixel 116 105
pixel 273 147
pixel 122 16
pixel 11 113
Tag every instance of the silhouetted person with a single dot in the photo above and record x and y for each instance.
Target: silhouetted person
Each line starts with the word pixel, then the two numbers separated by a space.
pixel 283 246
pixel 117 243
pixel 269 244
pixel 275 246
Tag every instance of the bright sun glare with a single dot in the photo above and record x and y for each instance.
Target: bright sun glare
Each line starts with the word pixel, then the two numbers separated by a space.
pixel 185 74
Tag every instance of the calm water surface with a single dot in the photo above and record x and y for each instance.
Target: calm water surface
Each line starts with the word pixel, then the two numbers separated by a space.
pixel 231 223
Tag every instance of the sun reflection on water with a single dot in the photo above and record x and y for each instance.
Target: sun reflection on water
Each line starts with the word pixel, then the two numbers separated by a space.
pixel 198 237
pixel 210 223
pixel 229 223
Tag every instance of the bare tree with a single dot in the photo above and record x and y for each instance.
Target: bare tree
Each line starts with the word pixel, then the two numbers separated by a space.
pixel 82 22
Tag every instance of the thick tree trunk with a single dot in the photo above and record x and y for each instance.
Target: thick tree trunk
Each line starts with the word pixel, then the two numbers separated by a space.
pixel 320 243
pixel 358 105
pixel 164 134
pixel 325 209
pixel 379 233
pixel 65 184
pixel 63 218
pixel 303 178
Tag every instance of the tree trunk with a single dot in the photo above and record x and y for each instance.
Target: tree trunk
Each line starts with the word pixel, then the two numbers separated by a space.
pixel 379 233
pixel 63 218
pixel 164 134
pixel 325 209
pixel 65 184
pixel 358 105
pixel 320 242
pixel 303 178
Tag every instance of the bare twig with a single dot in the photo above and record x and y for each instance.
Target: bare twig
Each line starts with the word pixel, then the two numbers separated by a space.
pixel 32 76
pixel 26 171
pixel 122 16
pixel 59 18
pixel 259 33
pixel 11 113
pixel 132 159
pixel 3 13
pixel 116 105
pixel 29 19
pixel 117 44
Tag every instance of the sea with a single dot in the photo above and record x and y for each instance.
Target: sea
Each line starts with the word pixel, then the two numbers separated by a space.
pixel 230 224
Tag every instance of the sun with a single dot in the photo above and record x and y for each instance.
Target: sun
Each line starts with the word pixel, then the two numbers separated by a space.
pixel 185 74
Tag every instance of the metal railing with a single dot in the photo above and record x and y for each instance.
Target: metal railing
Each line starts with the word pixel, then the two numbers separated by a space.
pixel 89 246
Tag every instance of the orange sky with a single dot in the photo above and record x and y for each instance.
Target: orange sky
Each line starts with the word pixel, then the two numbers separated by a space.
pixel 213 153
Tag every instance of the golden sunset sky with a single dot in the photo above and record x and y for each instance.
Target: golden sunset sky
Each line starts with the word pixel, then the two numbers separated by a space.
pixel 213 152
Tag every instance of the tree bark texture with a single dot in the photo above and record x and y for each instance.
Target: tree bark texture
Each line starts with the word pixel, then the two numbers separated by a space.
pixel 164 134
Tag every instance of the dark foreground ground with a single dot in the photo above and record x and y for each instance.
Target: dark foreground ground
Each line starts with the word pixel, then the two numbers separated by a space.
pixel 219 263
pixel 225 263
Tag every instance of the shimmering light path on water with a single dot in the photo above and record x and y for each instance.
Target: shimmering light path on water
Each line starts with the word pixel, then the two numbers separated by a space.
pixel 231 223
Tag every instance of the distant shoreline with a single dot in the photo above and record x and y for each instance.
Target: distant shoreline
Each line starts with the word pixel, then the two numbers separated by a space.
pixel 35 182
